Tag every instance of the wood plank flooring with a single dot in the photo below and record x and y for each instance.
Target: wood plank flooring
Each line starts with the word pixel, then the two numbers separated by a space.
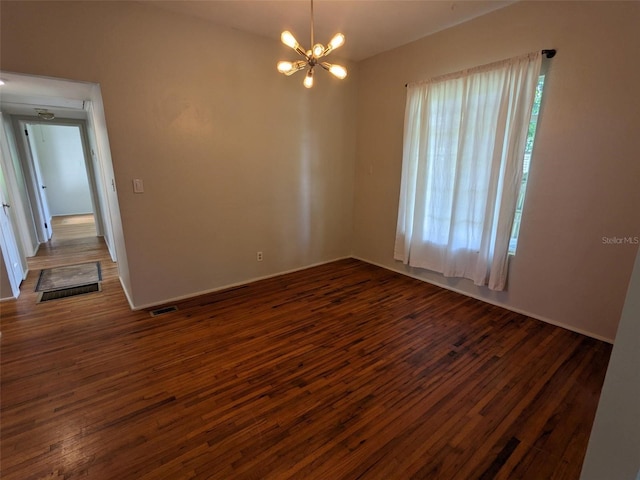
pixel 74 241
pixel 342 371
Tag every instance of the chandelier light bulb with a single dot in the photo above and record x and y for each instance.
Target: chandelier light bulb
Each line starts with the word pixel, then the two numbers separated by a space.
pixel 337 41
pixel 285 67
pixel 289 68
pixel 338 71
pixel 308 80
pixel 289 40
pixel 318 50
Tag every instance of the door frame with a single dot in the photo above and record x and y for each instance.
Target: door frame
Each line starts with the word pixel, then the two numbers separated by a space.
pixel 67 99
pixel 36 196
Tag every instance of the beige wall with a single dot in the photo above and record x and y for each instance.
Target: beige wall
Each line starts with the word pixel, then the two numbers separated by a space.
pixel 235 157
pixel 585 174
pixel 6 291
pixel 614 443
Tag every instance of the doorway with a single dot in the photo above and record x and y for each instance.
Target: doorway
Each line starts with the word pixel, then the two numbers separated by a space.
pixel 63 174
pixel 58 171
pixel 70 103
pixel 62 190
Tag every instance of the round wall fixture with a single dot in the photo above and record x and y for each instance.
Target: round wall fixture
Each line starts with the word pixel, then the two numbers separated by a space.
pixel 45 114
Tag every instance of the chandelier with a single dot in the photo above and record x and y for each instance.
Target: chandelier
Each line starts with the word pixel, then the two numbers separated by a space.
pixel 311 57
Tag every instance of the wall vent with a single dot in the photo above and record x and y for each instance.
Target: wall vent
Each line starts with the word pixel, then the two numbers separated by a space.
pixel 163 310
pixel 69 292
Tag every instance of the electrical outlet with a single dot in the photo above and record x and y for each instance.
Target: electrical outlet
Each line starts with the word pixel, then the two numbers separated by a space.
pixel 259 256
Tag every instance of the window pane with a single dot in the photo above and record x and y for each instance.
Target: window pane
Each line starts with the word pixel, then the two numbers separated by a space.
pixel 513 242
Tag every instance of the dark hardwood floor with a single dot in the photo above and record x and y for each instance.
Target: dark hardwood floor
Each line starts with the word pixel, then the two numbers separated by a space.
pixel 342 371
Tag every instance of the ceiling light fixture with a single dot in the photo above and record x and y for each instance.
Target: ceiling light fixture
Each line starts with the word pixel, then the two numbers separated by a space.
pixel 312 56
pixel 45 114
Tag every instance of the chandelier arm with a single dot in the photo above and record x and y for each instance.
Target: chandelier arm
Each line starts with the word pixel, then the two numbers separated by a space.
pixel 327 51
pixel 302 52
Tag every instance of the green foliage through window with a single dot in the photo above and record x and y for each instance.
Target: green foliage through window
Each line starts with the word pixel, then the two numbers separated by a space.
pixel 513 242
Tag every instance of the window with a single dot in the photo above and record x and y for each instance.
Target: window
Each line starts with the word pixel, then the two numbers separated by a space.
pixel 464 140
pixel 531 134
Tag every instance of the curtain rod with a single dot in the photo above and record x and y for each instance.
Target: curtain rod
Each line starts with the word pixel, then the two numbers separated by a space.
pixel 548 53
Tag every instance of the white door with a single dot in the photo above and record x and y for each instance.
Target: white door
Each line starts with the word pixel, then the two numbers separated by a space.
pixel 43 224
pixel 8 242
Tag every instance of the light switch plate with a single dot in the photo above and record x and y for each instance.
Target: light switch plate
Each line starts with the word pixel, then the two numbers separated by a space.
pixel 138 186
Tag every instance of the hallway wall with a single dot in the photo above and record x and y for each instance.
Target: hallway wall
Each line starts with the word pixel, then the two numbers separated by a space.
pixel 58 151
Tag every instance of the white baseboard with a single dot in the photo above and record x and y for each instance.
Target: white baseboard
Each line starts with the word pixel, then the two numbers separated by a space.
pixel 126 294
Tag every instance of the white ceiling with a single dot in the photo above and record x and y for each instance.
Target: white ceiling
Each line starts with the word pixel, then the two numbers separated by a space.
pixel 370 26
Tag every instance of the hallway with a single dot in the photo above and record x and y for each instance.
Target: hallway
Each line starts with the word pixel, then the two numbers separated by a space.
pixel 74 241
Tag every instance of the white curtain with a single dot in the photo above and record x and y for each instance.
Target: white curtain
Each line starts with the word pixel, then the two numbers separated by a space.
pixel 464 140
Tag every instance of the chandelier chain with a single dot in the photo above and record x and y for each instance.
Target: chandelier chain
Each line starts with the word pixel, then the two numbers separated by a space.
pixel 312 39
